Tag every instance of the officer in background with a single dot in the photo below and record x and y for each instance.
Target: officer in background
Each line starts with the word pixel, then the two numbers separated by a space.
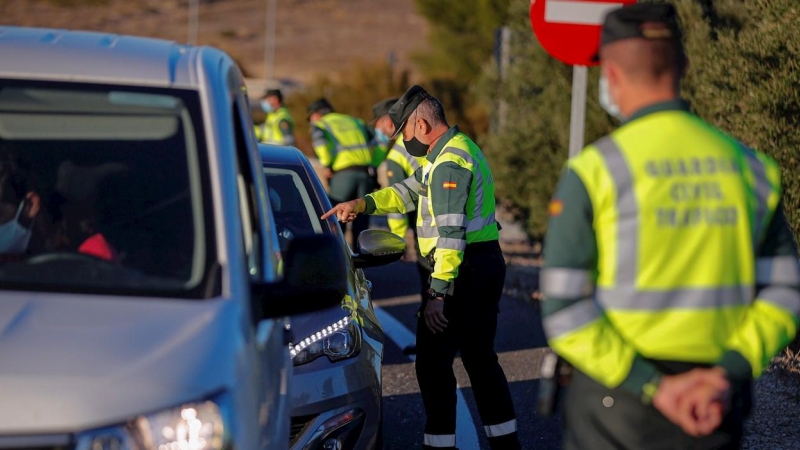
pixel 343 146
pixel 399 166
pixel 454 196
pixel 671 277
pixel 278 127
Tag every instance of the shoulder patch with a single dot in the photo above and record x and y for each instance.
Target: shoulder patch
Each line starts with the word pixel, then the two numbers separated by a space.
pixel 449 185
pixel 554 208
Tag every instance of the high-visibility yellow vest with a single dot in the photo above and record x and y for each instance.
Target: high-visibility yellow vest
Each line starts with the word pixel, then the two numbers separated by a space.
pixel 270 131
pixel 399 159
pixel 346 142
pixel 660 187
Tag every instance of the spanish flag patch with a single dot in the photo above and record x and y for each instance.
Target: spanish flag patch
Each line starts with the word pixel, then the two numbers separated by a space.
pixel 449 185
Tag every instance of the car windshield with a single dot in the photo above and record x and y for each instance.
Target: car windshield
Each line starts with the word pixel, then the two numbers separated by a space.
pixel 102 190
pixel 292 206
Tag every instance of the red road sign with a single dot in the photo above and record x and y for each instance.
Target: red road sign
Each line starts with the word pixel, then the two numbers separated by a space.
pixel 570 29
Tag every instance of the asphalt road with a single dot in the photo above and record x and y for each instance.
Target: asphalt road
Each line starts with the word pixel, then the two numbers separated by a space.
pixel 520 343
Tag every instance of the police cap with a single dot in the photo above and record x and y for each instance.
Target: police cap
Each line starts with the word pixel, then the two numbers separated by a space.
pixel 402 109
pixel 319 105
pixel 642 21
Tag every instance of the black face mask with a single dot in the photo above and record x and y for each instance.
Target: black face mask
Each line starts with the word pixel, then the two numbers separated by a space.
pixel 416 148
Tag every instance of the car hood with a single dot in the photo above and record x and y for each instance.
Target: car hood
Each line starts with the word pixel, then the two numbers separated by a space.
pixel 75 362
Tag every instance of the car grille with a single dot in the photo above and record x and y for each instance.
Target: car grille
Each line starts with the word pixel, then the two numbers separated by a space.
pixel 299 425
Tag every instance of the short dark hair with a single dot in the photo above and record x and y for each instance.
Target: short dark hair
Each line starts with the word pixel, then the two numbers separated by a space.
pixel 432 111
pixel 274 93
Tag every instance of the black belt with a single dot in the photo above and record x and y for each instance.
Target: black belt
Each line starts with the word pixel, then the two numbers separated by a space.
pixel 473 249
pixel 676 367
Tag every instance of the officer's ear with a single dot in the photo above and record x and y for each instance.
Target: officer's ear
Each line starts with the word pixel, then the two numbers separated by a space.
pixel 424 126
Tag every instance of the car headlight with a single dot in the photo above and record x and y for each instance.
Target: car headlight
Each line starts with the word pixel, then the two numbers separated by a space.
pixel 192 426
pixel 337 341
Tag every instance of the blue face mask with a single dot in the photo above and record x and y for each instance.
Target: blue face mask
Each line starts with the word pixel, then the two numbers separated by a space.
pixel 14 237
pixel 381 137
pixel 266 106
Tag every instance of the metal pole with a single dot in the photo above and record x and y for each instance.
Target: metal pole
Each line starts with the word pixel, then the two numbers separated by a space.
pixel 505 63
pixel 578 113
pixel 194 21
pixel 269 45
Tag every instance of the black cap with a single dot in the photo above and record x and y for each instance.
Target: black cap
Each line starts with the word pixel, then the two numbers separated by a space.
pixel 643 21
pixel 381 108
pixel 402 109
pixel 318 105
pixel 275 93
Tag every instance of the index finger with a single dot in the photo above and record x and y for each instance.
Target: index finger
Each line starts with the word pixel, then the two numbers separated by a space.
pixel 329 213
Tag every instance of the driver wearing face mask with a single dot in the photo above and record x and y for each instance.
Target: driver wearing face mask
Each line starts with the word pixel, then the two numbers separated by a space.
pixel 19 206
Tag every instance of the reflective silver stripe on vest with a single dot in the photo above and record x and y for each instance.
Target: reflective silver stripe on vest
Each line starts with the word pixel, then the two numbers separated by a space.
pixel 451 220
pixel 778 270
pixel 786 297
pixel 427 231
pixel 501 429
pixel 349 148
pixel 451 244
pixel 628 298
pixel 396 216
pixel 627 211
pixel 479 223
pixel 427 228
pixel 402 191
pixel 557 282
pixel 440 440
pixel 571 318
pixel 762 191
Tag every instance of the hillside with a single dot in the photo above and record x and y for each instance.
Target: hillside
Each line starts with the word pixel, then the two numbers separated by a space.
pixel 313 37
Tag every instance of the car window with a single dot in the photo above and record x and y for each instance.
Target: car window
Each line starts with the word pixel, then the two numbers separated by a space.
pixel 292 206
pixel 103 189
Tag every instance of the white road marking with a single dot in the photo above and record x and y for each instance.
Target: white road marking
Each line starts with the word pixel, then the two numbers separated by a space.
pixel 466 433
pixel 577 12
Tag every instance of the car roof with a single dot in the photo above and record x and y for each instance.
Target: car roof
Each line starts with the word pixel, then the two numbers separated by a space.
pixel 279 154
pixel 82 56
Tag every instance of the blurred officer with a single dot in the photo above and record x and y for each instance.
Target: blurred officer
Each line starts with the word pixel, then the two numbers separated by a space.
pixel 399 166
pixel 343 147
pixel 278 127
pixel 457 230
pixel 671 276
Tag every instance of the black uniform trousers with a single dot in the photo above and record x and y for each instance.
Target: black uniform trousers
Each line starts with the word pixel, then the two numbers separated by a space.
pixel 600 418
pixel 472 314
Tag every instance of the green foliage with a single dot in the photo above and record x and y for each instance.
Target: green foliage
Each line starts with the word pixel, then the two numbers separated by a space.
pixel 352 92
pixel 461 41
pixel 528 147
pixel 743 78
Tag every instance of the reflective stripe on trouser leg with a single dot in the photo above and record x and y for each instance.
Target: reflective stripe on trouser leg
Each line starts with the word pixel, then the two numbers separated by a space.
pixel 503 436
pixel 440 440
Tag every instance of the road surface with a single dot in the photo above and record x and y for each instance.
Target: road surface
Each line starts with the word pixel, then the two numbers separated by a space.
pixel 520 343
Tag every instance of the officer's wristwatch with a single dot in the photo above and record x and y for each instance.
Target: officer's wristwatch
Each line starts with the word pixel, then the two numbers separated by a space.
pixel 433 295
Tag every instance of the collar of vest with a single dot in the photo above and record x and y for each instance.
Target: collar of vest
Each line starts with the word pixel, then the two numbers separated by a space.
pixel 449 134
pixel 677 104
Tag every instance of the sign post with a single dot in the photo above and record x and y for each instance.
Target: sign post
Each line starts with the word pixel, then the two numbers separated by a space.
pixel 569 30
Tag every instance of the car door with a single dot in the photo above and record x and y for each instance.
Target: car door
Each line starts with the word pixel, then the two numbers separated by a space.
pixel 273 364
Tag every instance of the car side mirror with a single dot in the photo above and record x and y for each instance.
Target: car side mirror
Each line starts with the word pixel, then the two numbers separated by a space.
pixel 314 278
pixel 378 247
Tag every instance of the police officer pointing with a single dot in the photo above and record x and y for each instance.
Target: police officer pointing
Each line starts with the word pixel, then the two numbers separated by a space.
pixel 671 276
pixel 454 197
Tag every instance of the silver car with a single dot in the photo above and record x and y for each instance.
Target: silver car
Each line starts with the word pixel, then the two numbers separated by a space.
pixel 337 352
pixel 141 304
